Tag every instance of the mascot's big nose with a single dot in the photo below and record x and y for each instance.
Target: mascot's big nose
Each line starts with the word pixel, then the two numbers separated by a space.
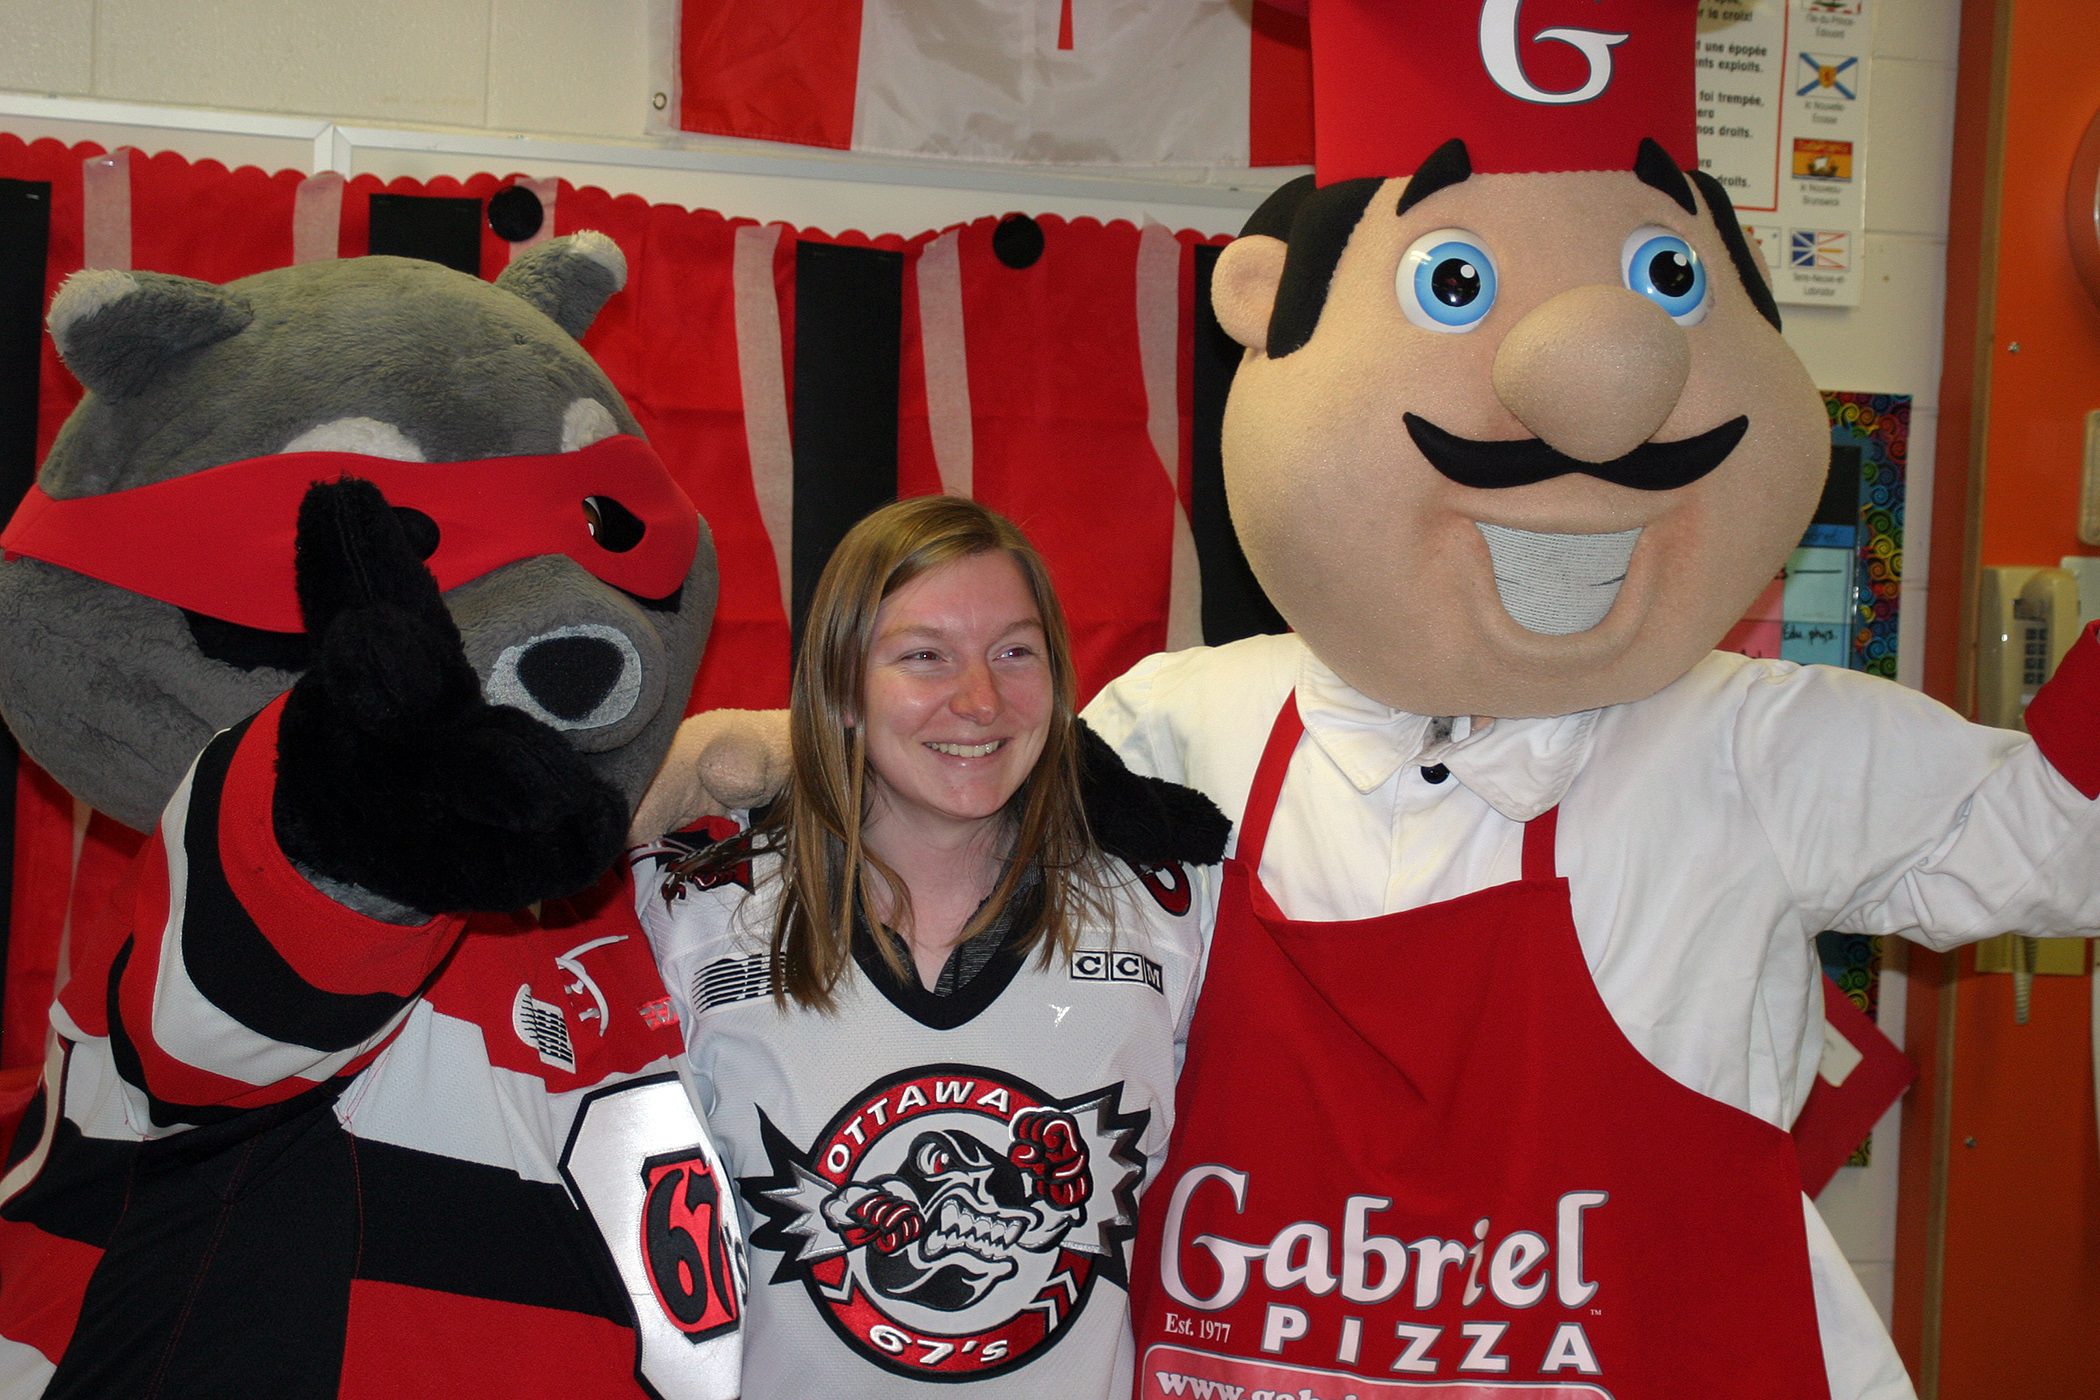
pixel 1594 372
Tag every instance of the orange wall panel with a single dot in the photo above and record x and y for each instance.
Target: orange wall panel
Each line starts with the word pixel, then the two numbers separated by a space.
pixel 2041 394
pixel 2004 1117
pixel 2022 1307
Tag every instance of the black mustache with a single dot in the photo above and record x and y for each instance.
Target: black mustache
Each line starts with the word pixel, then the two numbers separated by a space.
pixel 1653 466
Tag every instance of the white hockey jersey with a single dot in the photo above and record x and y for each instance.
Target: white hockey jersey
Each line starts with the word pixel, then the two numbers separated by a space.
pixel 936 1188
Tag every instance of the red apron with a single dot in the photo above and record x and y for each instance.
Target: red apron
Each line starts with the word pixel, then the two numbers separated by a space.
pixel 1416 1159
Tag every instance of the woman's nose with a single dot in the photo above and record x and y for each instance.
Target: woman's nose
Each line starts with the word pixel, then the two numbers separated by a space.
pixel 976 696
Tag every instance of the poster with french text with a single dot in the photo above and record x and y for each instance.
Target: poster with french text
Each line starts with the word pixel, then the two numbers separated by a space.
pixel 1782 126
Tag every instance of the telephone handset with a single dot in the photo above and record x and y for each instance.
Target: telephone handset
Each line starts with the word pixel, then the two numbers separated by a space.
pixel 2029 620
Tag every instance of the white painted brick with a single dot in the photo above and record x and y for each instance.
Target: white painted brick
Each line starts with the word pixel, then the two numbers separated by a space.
pixel 49 45
pixel 405 61
pixel 567 67
pixel 1910 147
pixel 1890 343
pixel 1918 29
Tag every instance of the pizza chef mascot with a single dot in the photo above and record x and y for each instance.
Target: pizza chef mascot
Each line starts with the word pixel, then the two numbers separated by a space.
pixel 1512 996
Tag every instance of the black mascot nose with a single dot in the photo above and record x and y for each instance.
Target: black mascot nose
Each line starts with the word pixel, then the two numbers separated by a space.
pixel 570 676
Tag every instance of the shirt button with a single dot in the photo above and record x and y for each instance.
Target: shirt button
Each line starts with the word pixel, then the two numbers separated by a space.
pixel 1435 773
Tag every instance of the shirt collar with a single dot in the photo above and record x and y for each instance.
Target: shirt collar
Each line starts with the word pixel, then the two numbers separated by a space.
pixel 1520 767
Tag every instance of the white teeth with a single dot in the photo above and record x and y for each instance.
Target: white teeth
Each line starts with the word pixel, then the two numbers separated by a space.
pixel 966 750
pixel 957 1227
pixel 1558 584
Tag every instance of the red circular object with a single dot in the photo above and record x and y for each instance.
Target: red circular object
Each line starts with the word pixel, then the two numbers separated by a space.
pixel 2082 209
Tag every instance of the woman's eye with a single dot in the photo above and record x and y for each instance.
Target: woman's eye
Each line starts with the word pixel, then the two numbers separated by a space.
pixel 1664 268
pixel 1446 281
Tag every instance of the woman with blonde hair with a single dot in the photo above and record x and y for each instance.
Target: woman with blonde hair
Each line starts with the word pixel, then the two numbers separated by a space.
pixel 933 997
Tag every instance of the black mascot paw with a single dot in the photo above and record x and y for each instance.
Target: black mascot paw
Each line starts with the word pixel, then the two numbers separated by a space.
pixel 1148 821
pixel 393 774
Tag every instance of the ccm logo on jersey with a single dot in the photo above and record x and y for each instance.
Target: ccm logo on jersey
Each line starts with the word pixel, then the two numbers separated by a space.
pixel 1107 965
pixel 1517 1270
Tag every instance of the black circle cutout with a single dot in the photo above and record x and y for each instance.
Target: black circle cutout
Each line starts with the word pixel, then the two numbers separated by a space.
pixel 1018 241
pixel 420 530
pixel 570 676
pixel 612 525
pixel 516 214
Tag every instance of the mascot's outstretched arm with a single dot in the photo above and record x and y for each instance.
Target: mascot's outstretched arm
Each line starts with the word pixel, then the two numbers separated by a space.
pixel 721 761
pixel 726 761
pixel 395 776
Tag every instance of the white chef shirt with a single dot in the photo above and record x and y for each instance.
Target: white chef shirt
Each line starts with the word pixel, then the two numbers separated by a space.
pixel 1707 833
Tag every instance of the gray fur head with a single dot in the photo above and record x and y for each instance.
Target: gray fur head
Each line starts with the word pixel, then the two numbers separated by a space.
pixel 115 693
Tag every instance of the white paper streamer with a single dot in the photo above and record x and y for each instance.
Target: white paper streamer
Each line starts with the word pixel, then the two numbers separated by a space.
pixel 105 207
pixel 764 379
pixel 946 356
pixel 1159 342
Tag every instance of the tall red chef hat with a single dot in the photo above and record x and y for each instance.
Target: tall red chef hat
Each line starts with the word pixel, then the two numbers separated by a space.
pixel 1529 85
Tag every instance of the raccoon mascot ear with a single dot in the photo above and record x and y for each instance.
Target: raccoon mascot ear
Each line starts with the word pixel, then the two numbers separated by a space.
pixel 118 331
pixel 568 278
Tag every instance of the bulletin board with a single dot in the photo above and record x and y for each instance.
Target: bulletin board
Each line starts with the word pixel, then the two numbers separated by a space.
pixel 1835 602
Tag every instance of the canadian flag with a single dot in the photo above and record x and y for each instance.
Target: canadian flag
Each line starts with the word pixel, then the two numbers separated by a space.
pixel 1108 82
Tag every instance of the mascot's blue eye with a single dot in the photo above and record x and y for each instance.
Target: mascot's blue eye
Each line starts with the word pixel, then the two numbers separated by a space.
pixel 1663 268
pixel 1446 281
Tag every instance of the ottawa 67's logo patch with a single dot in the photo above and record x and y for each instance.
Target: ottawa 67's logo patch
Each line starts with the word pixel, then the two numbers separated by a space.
pixel 951 1221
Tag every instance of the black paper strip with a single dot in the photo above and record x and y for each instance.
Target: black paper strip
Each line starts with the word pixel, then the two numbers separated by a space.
pixel 849 315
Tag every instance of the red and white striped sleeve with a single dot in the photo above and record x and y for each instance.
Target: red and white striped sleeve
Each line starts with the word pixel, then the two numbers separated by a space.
pixel 223 978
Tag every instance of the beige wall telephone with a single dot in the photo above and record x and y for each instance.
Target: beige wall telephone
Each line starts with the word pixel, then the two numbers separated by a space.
pixel 2029 620
pixel 2030 617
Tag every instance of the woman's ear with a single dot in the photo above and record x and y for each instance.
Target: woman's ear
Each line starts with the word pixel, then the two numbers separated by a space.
pixel 1243 287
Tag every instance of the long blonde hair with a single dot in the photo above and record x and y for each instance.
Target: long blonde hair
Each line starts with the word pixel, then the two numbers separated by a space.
pixel 817 825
